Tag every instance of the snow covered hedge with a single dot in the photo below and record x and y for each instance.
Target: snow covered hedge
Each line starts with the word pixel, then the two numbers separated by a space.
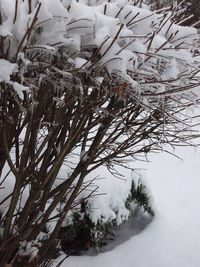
pixel 83 84
pixel 146 50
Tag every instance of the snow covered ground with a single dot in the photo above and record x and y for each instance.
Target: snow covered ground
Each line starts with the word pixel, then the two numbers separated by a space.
pixel 172 239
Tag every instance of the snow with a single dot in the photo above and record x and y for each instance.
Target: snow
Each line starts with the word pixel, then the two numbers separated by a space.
pixel 79 62
pixel 112 194
pixel 19 89
pixel 173 237
pixel 6 69
pixel 5 28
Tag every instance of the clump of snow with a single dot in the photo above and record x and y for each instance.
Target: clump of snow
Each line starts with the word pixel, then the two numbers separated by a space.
pixel 28 248
pixel 19 89
pixel 6 70
pixel 79 62
pixel 113 192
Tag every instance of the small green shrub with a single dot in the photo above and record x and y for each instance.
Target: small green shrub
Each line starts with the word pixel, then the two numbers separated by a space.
pixel 83 234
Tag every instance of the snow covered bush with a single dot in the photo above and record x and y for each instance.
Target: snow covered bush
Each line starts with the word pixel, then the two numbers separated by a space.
pixel 83 84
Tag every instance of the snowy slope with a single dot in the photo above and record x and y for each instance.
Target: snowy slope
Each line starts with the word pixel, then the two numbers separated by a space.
pixel 173 238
